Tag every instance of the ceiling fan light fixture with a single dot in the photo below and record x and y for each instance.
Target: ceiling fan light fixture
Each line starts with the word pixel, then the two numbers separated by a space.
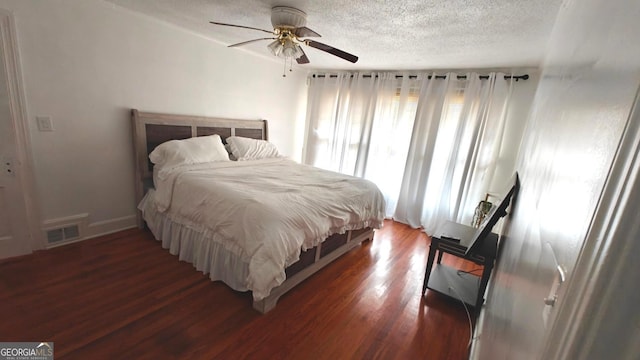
pixel 290 50
pixel 276 47
pixel 299 51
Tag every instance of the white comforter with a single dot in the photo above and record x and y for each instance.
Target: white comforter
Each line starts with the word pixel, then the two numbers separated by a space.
pixel 265 211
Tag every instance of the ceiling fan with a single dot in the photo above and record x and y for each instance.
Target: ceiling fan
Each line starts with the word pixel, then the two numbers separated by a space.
pixel 289 29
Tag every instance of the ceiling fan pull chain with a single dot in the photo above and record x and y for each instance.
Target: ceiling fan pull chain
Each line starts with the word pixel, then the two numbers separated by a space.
pixel 284 68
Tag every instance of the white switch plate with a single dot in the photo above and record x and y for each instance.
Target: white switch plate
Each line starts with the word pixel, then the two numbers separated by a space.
pixel 44 123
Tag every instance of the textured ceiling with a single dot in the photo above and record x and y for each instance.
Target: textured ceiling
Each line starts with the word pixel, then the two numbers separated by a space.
pixel 386 35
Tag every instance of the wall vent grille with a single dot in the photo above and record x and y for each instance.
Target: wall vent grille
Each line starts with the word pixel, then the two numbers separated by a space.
pixel 63 234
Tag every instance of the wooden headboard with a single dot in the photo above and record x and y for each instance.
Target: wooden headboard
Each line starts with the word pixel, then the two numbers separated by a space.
pixel 152 129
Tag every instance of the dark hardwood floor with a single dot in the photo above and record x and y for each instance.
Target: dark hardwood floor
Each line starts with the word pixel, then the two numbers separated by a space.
pixel 122 296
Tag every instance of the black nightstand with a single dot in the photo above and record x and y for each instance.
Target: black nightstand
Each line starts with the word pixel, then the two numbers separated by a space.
pixel 454 239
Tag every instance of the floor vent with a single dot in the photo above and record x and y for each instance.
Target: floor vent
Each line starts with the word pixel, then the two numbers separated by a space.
pixel 63 234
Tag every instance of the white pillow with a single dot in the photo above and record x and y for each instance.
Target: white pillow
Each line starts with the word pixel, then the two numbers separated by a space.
pixel 194 150
pixel 251 149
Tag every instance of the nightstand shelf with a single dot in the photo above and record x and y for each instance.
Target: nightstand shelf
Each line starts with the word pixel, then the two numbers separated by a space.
pixel 452 282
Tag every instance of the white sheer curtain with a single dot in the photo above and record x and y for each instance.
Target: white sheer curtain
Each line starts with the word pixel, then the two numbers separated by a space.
pixel 360 124
pixel 430 144
pixel 454 149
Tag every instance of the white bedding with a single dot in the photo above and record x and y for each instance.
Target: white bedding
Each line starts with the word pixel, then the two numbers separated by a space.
pixel 265 211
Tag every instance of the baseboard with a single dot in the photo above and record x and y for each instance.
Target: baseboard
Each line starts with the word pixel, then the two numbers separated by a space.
pixel 100 228
pixel 474 349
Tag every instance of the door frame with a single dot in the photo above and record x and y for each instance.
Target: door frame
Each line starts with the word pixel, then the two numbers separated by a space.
pixel 23 164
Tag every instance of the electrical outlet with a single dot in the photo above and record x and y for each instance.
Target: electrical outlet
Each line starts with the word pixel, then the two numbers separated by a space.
pixel 44 123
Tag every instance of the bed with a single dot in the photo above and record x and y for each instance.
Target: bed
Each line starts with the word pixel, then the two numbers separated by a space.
pixel 260 224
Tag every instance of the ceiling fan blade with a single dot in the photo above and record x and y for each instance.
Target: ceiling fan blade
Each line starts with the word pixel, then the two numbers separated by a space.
pixel 303 59
pixel 250 41
pixel 304 31
pixel 331 50
pixel 240 26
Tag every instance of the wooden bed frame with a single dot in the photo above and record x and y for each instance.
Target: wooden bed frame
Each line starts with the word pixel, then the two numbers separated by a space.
pixel 152 129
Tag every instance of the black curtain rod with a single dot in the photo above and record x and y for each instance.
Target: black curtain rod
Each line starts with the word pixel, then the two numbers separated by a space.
pixel 460 77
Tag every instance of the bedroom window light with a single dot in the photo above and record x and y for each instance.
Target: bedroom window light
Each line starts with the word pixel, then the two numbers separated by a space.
pixel 445 144
pixel 391 137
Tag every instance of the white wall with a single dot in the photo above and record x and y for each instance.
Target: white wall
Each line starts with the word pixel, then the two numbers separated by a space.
pixel 589 80
pixel 87 62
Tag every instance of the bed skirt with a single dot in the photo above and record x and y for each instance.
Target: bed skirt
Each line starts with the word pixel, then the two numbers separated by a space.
pixel 196 247
pixel 199 248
